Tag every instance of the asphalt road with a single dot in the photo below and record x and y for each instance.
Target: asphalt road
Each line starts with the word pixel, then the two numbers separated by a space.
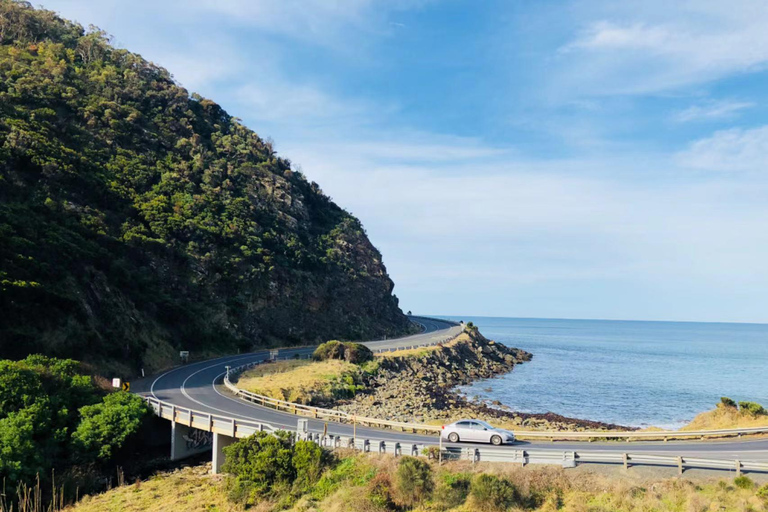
pixel 199 386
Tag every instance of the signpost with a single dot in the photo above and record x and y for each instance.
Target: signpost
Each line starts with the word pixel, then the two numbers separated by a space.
pixel 126 386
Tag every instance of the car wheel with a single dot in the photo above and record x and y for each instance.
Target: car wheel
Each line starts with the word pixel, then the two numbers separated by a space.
pixel 496 440
pixel 453 437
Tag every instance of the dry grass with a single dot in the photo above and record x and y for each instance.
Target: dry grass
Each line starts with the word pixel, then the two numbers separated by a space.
pixel 423 351
pixel 298 381
pixel 725 417
pixel 189 489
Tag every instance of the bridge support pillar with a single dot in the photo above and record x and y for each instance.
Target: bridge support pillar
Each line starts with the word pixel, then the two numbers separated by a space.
pixel 187 441
pixel 220 442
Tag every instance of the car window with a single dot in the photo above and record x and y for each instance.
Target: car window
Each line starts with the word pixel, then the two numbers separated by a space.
pixel 484 425
pixel 463 424
pixel 476 426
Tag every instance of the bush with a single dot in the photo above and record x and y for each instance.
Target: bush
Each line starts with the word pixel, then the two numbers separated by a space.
pixel 105 427
pixel 262 462
pixel 345 351
pixel 452 490
pixel 413 480
pixel 492 494
pixel 762 493
pixel 267 464
pixel 308 461
pixel 727 402
pixel 744 482
pixel 752 408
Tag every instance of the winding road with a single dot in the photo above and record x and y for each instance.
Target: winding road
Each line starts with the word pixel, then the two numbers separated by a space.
pixel 199 386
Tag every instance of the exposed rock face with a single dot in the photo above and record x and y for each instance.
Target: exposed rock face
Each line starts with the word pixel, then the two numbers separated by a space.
pixel 137 220
pixel 421 389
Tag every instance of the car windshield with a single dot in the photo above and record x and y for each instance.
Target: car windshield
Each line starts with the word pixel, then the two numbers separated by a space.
pixel 483 424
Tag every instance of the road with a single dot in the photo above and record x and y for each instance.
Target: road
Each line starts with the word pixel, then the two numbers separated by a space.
pixel 199 386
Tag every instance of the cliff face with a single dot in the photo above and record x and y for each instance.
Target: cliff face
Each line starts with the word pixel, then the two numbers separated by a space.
pixel 137 220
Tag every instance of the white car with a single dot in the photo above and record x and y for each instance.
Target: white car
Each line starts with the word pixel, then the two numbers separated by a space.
pixel 477 431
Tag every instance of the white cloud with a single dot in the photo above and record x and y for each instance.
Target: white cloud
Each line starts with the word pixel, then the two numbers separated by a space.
pixel 666 46
pixel 712 110
pixel 729 150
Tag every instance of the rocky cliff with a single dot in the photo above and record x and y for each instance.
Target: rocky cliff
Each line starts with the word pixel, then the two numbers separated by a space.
pixel 137 219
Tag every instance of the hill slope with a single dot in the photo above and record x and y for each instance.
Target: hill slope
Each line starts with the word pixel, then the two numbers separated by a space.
pixel 137 220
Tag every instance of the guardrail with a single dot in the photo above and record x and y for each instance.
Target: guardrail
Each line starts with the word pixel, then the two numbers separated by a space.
pixel 238 428
pixel 567 459
pixel 342 417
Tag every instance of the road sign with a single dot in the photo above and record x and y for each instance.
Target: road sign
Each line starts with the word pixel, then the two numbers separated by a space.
pixel 116 383
pixel 273 354
pixel 126 386
pixel 184 355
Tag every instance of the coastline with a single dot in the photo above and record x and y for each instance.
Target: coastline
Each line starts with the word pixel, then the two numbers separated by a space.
pixel 423 388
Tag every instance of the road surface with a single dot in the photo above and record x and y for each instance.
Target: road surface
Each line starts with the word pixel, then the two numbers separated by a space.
pixel 199 386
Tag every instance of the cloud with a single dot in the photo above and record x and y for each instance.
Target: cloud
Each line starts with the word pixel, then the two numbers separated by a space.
pixel 662 47
pixel 733 150
pixel 712 110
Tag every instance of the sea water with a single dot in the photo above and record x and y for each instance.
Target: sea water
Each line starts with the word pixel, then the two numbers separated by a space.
pixel 627 372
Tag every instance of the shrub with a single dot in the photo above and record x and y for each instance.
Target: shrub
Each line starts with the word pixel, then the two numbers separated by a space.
pixel 752 408
pixel 492 494
pixel 727 402
pixel 380 492
pixel 262 462
pixel 762 493
pixel 452 490
pixel 414 480
pixel 345 351
pixel 105 427
pixel 744 482
pixel 308 462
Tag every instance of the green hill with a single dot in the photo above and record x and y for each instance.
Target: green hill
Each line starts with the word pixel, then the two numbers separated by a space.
pixel 137 220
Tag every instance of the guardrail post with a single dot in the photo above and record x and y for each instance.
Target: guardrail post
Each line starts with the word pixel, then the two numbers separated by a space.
pixel 569 459
pixel 173 413
pixel 625 458
pixel 366 445
pixel 738 468
pixel 679 465
pixel 234 428
pixel 210 422
pixel 382 447
pixel 398 449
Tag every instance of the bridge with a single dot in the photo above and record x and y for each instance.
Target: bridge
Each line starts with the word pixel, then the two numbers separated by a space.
pixel 208 412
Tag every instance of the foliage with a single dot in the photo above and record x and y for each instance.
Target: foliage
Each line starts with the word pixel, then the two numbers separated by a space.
pixel 762 493
pixel 51 415
pixel 355 353
pixel 452 490
pixel 744 482
pixel 727 402
pixel 491 493
pixel 414 481
pixel 752 408
pixel 267 464
pixel 137 220
pixel 105 427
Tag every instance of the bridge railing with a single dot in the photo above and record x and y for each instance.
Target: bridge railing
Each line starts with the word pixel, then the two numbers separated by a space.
pixel 239 428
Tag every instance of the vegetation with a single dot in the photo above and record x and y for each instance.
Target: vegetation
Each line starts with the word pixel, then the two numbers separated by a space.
pixel 54 416
pixel 304 382
pixel 728 415
pixel 137 220
pixel 367 482
pixel 343 350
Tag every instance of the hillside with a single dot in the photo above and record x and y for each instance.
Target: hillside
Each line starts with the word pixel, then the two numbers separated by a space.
pixel 137 219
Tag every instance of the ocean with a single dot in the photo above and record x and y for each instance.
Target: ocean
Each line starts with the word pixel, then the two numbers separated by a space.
pixel 628 372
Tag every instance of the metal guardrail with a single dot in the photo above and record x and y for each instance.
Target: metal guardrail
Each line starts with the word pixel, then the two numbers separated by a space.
pixel 238 428
pixel 342 417
pixel 524 457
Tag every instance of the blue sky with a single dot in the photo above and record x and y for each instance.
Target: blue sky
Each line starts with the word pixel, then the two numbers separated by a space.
pixel 592 159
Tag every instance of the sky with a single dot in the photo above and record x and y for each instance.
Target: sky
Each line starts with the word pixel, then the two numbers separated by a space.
pixel 590 159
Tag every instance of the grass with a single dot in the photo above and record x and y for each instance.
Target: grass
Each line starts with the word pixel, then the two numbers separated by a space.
pixel 303 381
pixel 358 482
pixel 723 417
pixel 422 351
pixel 189 489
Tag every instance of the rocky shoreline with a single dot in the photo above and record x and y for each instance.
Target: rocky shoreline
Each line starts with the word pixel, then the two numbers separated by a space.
pixel 420 388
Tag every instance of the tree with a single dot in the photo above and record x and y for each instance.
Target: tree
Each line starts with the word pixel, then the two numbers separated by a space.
pixel 105 427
